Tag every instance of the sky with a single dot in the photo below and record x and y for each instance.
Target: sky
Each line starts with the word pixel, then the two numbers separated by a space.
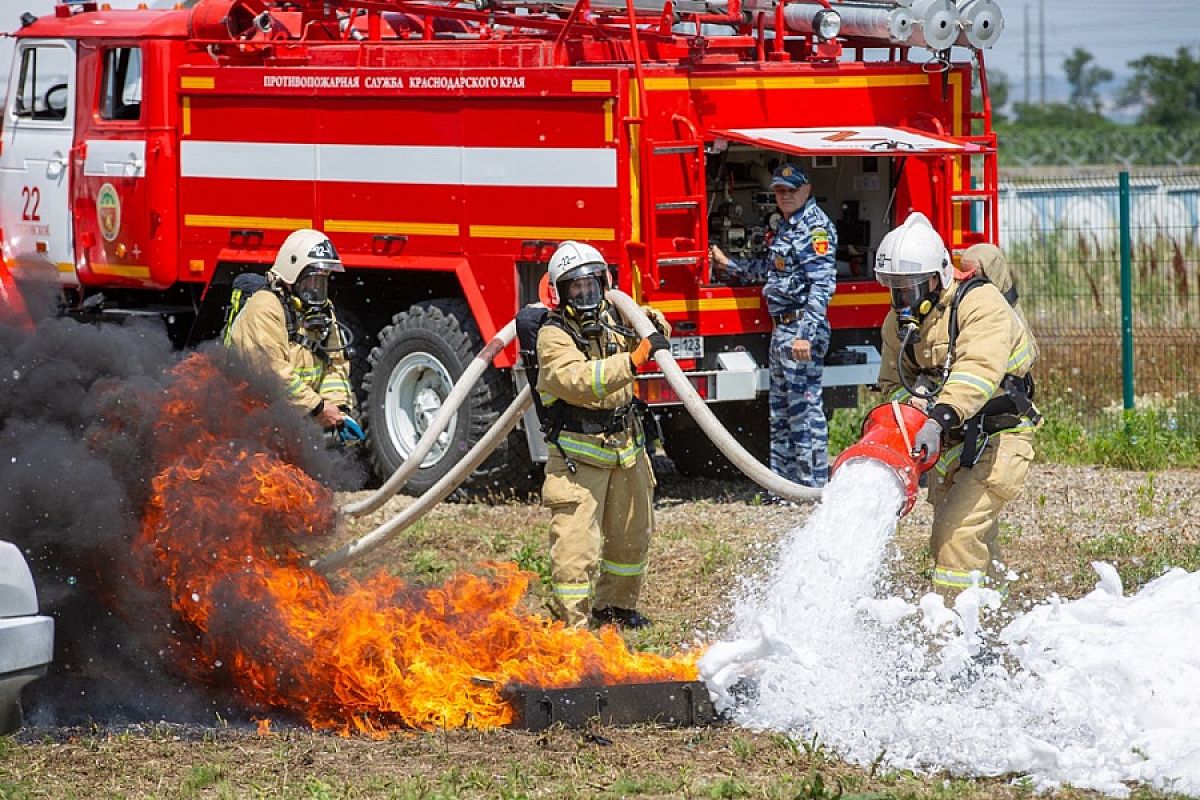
pixel 1114 31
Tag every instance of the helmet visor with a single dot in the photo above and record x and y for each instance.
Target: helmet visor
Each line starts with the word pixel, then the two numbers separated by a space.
pixel 312 286
pixel 908 297
pixel 582 294
pixel 905 280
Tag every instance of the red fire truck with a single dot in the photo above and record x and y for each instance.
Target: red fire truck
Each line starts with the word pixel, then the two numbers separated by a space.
pixel 149 156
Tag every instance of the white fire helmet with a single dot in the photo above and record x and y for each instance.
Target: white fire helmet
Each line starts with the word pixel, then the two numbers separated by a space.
pixel 574 260
pixel 302 249
pixel 911 254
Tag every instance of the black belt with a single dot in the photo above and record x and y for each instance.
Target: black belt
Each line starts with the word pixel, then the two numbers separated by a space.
pixel 787 317
pixel 595 423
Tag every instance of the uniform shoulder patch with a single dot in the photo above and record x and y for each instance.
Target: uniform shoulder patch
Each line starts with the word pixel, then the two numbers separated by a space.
pixel 820 241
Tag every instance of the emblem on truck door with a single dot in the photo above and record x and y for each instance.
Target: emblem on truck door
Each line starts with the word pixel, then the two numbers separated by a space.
pixel 108 212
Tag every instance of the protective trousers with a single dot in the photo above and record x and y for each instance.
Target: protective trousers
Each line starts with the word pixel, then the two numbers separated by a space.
pixel 601 520
pixel 966 512
pixel 799 434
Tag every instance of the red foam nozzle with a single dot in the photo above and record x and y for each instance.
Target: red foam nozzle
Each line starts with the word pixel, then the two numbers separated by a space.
pixel 887 436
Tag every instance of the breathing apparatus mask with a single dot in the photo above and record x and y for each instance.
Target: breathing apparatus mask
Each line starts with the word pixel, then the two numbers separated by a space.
pixel 581 292
pixel 309 297
pixel 913 297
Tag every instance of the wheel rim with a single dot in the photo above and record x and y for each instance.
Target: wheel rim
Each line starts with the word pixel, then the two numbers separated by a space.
pixel 416 390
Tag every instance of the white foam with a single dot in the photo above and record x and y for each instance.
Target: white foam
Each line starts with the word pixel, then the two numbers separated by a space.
pixel 1094 693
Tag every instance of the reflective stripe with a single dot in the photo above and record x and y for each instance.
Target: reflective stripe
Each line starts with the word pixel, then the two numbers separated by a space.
pixel 966 378
pixel 580 447
pixel 901 394
pixel 957 579
pixel 598 387
pixel 624 570
pixel 302 377
pixel 297 385
pixel 1020 358
pixel 335 383
pixel 948 458
pixel 572 591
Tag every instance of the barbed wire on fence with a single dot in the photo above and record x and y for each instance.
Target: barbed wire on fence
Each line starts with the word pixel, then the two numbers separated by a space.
pixel 1124 147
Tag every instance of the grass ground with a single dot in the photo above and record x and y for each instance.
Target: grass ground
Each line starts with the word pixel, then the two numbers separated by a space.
pixel 709 533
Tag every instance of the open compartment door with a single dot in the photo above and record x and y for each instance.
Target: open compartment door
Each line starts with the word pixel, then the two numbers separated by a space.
pixel 861 140
pixel 928 172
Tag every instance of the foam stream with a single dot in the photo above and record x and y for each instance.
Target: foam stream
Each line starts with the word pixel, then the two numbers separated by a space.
pixel 1096 693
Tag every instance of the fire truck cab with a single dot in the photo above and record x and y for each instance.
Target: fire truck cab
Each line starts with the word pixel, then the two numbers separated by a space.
pixel 149 156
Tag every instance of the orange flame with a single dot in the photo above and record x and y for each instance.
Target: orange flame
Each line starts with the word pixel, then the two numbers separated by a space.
pixel 219 537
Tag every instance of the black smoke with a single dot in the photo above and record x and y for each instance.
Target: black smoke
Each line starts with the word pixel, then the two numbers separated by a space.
pixel 78 403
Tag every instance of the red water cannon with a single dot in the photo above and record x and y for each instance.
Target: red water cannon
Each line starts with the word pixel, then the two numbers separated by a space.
pixel 887 437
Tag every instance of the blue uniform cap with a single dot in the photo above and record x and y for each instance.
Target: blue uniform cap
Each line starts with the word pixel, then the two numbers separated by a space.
pixel 789 176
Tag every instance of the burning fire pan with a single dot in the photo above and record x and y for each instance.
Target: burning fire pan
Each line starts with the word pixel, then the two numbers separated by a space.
pixel 676 703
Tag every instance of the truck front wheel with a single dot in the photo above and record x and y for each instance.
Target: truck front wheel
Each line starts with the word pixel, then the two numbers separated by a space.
pixel 411 371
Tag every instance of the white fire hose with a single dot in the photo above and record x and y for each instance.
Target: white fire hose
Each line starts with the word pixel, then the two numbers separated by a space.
pixel 628 309
pixel 436 493
pixel 696 406
pixel 449 408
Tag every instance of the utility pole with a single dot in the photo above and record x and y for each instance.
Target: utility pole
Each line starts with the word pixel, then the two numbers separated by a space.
pixel 1042 50
pixel 1028 47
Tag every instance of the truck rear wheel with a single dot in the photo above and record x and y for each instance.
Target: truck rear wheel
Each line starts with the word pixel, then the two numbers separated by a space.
pixel 694 454
pixel 411 370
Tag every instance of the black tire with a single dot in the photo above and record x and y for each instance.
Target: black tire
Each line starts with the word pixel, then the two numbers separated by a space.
pixel 694 454
pixel 410 371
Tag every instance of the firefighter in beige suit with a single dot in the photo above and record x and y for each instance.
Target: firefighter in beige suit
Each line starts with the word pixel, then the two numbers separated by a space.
pixel 953 344
pixel 599 483
pixel 291 330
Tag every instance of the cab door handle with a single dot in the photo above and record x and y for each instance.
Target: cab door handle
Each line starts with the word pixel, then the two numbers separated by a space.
pixel 56 164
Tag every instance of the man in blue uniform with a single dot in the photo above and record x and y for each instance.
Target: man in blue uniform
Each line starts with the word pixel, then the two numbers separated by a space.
pixel 799 269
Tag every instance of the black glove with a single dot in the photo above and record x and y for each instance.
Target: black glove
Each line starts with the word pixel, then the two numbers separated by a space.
pixel 946 416
pixel 658 342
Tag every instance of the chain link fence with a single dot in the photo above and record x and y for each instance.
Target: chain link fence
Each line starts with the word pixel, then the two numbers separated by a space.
pixel 1063 235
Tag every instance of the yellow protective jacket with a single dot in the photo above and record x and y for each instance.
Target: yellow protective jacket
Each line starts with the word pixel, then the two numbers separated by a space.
pixel 260 335
pixel 600 380
pixel 992 342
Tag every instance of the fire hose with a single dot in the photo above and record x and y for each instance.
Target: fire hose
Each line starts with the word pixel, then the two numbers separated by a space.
pixel 722 438
pixel 436 493
pixel 449 408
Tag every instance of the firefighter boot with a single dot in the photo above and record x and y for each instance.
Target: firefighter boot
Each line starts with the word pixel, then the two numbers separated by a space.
pixel 624 618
